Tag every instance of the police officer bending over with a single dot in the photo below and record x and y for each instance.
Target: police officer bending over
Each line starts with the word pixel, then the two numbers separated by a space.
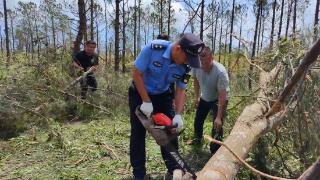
pixel 85 60
pixel 159 64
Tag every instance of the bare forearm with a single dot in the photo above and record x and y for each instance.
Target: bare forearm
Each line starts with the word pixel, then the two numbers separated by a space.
pixel 179 100
pixel 222 99
pixel 139 84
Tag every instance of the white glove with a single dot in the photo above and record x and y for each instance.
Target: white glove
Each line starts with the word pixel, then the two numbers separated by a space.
pixel 146 108
pixel 178 120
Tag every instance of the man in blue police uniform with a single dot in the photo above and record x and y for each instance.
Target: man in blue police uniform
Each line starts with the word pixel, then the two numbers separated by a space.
pixel 159 63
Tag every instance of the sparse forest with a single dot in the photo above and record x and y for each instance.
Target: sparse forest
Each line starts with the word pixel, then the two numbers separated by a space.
pixel 49 129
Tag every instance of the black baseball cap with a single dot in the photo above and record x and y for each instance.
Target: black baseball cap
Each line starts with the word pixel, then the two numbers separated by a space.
pixel 192 46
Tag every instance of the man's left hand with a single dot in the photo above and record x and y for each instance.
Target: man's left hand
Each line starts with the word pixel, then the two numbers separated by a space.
pixel 217 124
pixel 94 68
pixel 178 120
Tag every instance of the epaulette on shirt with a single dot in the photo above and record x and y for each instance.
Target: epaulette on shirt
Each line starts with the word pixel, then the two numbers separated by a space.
pixel 159 44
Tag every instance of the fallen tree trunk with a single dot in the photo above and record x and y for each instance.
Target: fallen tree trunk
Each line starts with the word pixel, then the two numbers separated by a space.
pixel 312 173
pixel 252 123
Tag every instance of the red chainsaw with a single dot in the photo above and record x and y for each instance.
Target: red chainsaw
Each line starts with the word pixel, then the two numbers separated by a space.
pixel 160 127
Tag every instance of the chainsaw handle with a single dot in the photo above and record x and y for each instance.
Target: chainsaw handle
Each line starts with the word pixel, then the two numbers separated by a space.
pixel 164 127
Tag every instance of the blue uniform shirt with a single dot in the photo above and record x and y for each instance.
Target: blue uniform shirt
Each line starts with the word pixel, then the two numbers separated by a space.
pixel 158 71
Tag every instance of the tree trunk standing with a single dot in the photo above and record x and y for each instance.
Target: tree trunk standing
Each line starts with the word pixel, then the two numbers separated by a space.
pixel 82 26
pixel 259 33
pixel 97 36
pixel 38 40
pixel 1 42
pixel 254 45
pixel 124 37
pixel 316 21
pixel 70 35
pixel 231 27
pixel 220 38
pixel 6 30
pixel 215 31
pixel 169 16
pixel 201 19
pixel 53 32
pixel 139 27
pixel 262 33
pixel 161 18
pixel 46 31
pixel 212 30
pixel 281 17
pixel 135 30
pixel 225 62
pixel 91 20
pixel 63 33
pixel 116 38
pixel 239 43
pixel 294 19
pixel 106 32
pixel 110 51
pixel 274 4
pixel 288 17
pixel 12 32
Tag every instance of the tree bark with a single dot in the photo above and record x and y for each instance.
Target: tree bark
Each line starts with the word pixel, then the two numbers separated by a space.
pixel 281 16
pixel 82 26
pixel 201 19
pixel 274 4
pixel 12 32
pixel 253 123
pixel 169 16
pixel 312 173
pixel 289 16
pixel 1 42
pixel 231 28
pixel 220 38
pixel 139 27
pixel 254 45
pixel 161 18
pixel 6 29
pixel 135 30
pixel 91 20
pixel 316 21
pixel 124 37
pixel 106 31
pixel 53 32
pixel 116 39
pixel 294 19
pixel 215 31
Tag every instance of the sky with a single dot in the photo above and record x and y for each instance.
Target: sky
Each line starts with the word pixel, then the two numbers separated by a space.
pixel 181 18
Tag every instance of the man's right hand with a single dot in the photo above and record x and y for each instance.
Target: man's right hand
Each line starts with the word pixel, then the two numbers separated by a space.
pixel 146 108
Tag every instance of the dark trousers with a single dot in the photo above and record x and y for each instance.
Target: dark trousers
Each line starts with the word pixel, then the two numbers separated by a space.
pixel 90 81
pixel 161 103
pixel 201 114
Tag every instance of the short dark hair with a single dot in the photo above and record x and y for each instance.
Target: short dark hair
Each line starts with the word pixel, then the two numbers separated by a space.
pixel 90 42
pixel 206 51
pixel 163 36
